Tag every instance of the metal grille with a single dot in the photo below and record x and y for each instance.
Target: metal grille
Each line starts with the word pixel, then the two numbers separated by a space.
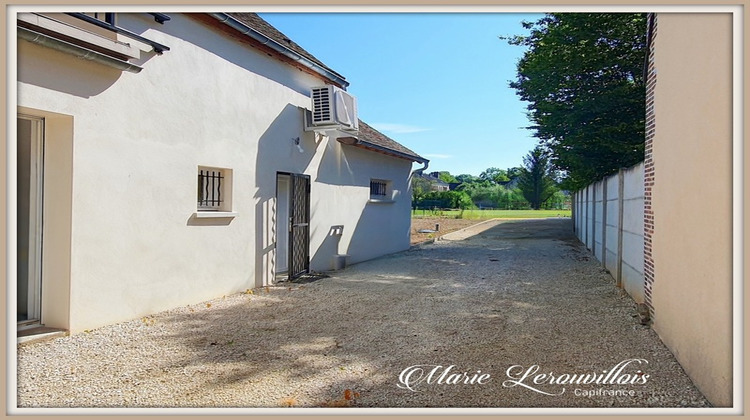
pixel 299 234
pixel 210 189
pixel 321 98
pixel 378 188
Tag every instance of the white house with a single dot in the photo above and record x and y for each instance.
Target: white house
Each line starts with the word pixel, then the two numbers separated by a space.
pixel 165 160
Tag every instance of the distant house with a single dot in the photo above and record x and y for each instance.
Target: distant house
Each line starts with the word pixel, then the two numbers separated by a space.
pixel 511 184
pixel 164 160
pixel 436 184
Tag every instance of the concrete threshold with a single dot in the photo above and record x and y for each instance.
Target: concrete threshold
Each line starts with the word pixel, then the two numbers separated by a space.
pixel 39 333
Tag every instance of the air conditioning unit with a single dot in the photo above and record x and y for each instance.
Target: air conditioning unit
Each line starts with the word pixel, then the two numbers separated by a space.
pixel 334 107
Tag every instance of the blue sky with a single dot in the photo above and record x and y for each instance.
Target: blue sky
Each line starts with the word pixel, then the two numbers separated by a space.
pixel 435 82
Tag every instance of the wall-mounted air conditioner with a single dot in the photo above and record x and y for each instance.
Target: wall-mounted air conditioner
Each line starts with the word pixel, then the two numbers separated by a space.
pixel 333 107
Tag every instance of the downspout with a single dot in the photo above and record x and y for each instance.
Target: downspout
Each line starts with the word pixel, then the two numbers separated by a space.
pixel 411 176
pixel 252 33
pixel 419 170
pixel 80 52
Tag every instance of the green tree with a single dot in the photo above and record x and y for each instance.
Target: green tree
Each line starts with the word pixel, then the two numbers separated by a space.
pixel 466 178
pixel 419 188
pixel 446 176
pixel 516 200
pixel 582 75
pixel 559 200
pixel 450 199
pixel 513 172
pixel 494 175
pixel 536 180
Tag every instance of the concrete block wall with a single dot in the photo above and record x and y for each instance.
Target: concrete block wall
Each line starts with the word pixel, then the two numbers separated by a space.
pixel 613 223
pixel 631 270
pixel 608 219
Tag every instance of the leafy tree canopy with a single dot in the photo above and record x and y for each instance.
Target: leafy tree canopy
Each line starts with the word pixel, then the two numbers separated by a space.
pixel 420 187
pixel 446 176
pixel 466 178
pixel 582 75
pixel 514 172
pixel 494 175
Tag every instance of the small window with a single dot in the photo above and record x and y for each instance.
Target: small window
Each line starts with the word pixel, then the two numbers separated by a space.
pixel 380 189
pixel 214 189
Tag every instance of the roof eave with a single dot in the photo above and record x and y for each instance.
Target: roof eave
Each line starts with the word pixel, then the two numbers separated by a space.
pixel 394 153
pixel 252 33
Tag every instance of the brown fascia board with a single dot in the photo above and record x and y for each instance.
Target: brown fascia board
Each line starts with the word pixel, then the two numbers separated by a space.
pixel 229 32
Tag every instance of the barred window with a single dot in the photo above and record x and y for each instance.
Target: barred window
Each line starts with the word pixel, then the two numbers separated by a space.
pixel 214 189
pixel 380 189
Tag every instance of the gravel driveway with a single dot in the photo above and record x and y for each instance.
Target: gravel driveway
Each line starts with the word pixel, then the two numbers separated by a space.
pixel 500 298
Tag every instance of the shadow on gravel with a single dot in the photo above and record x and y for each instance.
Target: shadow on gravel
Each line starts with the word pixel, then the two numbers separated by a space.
pixel 510 296
pixel 518 294
pixel 317 350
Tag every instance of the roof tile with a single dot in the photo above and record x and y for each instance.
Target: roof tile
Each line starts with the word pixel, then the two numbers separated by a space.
pixel 257 23
pixel 370 135
pixel 367 134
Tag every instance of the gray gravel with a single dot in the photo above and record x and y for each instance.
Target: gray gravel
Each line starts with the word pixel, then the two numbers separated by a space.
pixel 515 293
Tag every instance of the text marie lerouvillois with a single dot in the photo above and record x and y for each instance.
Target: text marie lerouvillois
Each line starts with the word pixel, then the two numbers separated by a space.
pixel 625 372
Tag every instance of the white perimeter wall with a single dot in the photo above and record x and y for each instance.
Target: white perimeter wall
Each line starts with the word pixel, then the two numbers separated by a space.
pixel 135 246
pixel 609 221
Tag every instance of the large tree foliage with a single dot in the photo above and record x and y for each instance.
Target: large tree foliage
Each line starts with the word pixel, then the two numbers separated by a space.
pixel 583 78
pixel 446 177
pixel 466 178
pixel 537 178
pixel 494 175
pixel 444 199
pixel 420 187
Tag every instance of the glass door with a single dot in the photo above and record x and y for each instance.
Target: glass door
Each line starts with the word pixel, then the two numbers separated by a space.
pixel 30 164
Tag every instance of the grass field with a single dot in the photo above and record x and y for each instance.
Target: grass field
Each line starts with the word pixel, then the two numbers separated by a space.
pixel 491 214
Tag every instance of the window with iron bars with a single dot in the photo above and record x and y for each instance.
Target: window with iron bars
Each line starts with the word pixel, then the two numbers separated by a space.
pixel 212 186
pixel 378 188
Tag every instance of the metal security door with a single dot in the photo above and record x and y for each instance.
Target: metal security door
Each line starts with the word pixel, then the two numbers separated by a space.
pixel 299 226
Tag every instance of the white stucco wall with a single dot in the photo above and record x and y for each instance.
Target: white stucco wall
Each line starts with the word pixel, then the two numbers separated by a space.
pixel 135 247
pixel 369 227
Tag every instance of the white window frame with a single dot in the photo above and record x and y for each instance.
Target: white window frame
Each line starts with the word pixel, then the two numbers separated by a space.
pixel 214 192
pixel 381 184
